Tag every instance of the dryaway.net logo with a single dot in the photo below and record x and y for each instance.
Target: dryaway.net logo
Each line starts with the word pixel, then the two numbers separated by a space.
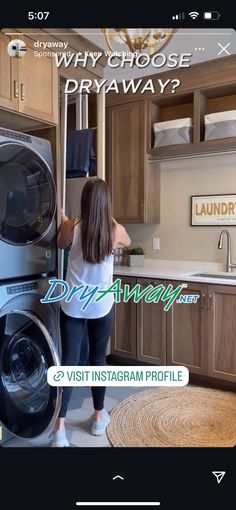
pixel 16 48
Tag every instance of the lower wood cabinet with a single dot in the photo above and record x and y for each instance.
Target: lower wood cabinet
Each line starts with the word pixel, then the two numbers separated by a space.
pixel 187 329
pixel 123 340
pixel 151 328
pixel 222 332
pixel 200 336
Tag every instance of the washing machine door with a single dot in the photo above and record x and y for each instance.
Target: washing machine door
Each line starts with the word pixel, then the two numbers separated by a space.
pixel 27 195
pixel 28 405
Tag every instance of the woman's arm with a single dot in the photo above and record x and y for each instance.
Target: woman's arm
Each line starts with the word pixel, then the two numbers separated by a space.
pixel 65 232
pixel 120 235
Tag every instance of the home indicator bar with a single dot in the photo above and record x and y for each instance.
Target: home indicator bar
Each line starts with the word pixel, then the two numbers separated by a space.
pixel 118 503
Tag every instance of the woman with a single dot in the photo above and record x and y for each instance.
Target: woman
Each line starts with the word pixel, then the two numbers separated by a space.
pixel 93 238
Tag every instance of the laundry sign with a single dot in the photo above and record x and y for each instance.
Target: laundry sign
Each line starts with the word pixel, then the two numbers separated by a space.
pixel 215 210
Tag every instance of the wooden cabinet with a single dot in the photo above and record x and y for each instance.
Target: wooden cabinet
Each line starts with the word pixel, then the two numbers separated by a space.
pixel 207 88
pixel 186 331
pixel 151 328
pixel 139 330
pixel 9 76
pixel 38 85
pixel 222 332
pixel 134 184
pixel 30 84
pixel 196 105
pixel 123 340
pixel 200 336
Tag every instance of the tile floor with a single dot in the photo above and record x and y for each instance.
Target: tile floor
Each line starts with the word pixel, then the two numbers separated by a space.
pixel 79 419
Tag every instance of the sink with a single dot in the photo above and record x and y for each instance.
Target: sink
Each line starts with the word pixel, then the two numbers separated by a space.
pixel 224 276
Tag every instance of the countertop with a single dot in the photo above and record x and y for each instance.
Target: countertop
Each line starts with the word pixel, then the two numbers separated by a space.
pixel 178 270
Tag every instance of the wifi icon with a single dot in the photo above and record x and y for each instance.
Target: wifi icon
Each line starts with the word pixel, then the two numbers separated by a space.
pixel 194 14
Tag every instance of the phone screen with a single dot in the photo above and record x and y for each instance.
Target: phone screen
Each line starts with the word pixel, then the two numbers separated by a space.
pixel 118 263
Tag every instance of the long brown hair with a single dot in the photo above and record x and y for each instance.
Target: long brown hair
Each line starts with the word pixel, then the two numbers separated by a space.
pixel 96 221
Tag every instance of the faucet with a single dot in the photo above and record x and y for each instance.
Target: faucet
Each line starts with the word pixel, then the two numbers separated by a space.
pixel 229 265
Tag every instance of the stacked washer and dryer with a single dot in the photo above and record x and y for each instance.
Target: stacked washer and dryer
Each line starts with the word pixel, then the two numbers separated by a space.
pixel 29 332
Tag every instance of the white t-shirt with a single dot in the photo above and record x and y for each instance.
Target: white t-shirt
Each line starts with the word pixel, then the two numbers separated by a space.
pixel 79 272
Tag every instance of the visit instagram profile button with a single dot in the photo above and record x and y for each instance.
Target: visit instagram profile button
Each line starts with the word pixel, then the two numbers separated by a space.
pixel 117 376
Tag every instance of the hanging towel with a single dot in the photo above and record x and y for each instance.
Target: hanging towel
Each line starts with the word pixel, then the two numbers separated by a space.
pixel 80 153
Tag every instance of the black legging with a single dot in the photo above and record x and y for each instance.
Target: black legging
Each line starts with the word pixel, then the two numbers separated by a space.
pixel 72 332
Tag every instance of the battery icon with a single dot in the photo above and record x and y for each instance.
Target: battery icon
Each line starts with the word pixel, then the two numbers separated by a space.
pixel 214 15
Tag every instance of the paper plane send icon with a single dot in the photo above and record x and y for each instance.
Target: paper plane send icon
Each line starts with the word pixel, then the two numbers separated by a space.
pixel 219 475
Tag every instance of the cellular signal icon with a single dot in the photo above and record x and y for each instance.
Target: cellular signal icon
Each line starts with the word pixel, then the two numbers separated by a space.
pixel 180 16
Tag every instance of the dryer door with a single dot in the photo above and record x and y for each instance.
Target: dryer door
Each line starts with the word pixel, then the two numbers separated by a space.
pixel 28 405
pixel 27 195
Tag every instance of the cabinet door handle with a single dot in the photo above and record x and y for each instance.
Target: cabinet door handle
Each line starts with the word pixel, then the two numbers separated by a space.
pixel 22 91
pixel 141 209
pixel 209 301
pixel 16 88
pixel 203 301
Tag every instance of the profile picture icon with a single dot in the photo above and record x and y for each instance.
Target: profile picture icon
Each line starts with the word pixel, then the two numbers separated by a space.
pixel 16 48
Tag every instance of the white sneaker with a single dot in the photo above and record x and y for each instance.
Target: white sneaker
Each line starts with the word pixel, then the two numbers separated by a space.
pixel 59 439
pixel 99 426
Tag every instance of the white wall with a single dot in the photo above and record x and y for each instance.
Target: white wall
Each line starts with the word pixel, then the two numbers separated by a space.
pixel 213 174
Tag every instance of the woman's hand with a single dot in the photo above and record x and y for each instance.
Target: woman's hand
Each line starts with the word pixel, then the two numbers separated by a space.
pixel 65 232
pixel 63 217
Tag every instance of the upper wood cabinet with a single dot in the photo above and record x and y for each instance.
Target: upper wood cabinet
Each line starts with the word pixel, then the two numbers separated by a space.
pixel 194 105
pixel 9 76
pixel 206 87
pixel 29 85
pixel 134 184
pixel 222 332
pixel 38 85
pixel 186 331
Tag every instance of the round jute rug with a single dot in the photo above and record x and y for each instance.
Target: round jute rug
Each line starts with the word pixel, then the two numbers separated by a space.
pixel 175 417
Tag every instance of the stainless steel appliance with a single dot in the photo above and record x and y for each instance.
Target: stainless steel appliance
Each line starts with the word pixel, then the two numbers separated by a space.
pixel 27 206
pixel 29 345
